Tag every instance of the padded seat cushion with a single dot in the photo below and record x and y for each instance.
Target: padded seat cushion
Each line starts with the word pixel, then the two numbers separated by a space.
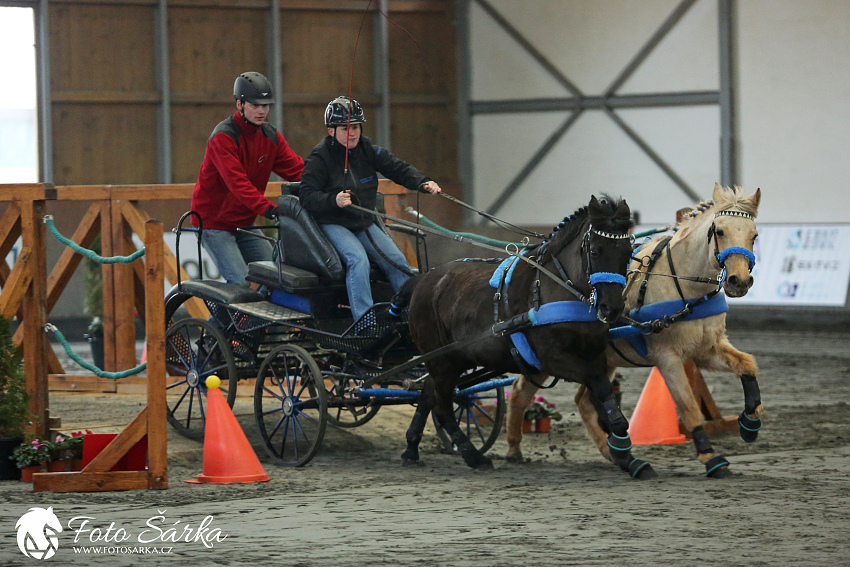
pixel 287 277
pixel 221 292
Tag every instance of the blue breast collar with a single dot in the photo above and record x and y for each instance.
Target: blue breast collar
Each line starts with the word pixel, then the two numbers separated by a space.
pixel 713 306
pixel 549 314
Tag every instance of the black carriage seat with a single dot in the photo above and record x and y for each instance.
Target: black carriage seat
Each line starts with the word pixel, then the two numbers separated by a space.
pixel 218 292
pixel 306 250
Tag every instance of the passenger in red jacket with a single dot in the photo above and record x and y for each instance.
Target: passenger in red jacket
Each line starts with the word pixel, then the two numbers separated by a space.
pixel 241 154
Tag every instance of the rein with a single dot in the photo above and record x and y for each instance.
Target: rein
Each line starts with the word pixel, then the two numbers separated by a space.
pixel 507 250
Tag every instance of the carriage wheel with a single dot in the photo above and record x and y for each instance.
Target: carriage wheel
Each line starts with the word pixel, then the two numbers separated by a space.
pixel 290 405
pixel 347 410
pixel 478 417
pixel 194 350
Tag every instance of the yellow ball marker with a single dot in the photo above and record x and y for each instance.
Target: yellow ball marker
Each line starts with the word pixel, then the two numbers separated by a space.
pixel 213 382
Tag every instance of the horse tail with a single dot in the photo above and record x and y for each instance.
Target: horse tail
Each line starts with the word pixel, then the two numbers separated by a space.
pixel 401 300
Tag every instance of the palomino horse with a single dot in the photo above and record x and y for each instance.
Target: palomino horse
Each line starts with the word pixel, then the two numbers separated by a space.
pixel 537 317
pixel 672 274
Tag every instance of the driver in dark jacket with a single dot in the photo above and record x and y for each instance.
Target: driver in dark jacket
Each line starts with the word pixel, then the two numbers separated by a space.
pixel 330 183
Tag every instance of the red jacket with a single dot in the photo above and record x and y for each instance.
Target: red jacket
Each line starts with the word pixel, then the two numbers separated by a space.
pixel 238 161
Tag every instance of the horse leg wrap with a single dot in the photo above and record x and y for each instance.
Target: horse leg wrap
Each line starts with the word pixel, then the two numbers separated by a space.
pixel 616 420
pixel 621 450
pixel 715 465
pixel 701 441
pixel 636 466
pixel 747 426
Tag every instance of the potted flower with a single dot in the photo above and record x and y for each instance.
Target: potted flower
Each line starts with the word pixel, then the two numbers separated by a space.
pixel 541 412
pixel 73 447
pixel 30 456
pixel 14 402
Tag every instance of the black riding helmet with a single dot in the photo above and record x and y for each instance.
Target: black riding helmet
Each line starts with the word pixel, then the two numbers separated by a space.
pixel 254 88
pixel 336 113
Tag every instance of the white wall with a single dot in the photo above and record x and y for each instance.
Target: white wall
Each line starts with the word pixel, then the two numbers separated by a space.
pixel 793 106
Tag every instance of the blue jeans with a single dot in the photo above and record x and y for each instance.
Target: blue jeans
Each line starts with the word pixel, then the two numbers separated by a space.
pixel 232 251
pixel 356 250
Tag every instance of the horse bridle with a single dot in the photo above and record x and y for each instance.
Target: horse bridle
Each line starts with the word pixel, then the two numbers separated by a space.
pixel 593 278
pixel 721 256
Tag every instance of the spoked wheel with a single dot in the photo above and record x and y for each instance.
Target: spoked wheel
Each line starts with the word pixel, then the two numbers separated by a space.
pixel 194 350
pixel 345 409
pixel 480 416
pixel 290 405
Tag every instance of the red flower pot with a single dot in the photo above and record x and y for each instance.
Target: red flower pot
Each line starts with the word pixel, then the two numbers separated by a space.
pixel 27 472
pixel 542 425
pixel 75 465
pixel 526 426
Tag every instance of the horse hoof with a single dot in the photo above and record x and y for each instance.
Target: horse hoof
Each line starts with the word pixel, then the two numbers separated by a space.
pixel 717 467
pixel 640 470
pixel 484 464
pixel 408 460
pixel 518 458
pixel 646 473
pixel 748 427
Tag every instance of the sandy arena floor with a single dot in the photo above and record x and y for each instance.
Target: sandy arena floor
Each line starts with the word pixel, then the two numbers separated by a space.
pixel 787 503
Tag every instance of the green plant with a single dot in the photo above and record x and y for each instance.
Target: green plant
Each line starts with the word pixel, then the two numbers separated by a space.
pixel 71 445
pixel 14 400
pixel 540 408
pixel 31 453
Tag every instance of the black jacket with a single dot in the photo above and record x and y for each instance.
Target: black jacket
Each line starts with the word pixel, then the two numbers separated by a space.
pixel 323 178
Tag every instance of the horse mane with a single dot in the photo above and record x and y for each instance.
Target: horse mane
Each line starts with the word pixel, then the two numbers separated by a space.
pixel 605 219
pixel 733 198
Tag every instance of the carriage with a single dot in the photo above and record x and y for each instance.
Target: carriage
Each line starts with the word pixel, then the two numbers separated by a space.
pixel 310 364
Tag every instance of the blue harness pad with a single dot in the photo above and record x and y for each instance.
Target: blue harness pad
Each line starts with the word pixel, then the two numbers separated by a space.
pixel 549 314
pixel 714 306
pixel 507 264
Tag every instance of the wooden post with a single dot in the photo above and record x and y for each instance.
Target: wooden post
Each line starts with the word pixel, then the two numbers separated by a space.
pixel 394 197
pixel 34 302
pixel 124 295
pixel 155 326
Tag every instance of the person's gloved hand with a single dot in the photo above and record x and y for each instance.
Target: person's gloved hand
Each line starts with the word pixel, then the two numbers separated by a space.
pixel 271 212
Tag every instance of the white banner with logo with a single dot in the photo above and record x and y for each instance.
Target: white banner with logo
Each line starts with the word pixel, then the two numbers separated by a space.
pixel 799 265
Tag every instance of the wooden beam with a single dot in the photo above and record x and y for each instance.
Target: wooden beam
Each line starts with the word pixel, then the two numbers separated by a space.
pixel 10 229
pixel 155 327
pixel 69 261
pixel 120 445
pixel 90 482
pixel 35 315
pixel 123 295
pixel 17 285
pixel 108 249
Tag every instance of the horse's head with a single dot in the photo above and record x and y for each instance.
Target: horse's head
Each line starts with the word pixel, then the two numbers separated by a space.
pixel 727 229
pixel 606 248
pixel 734 233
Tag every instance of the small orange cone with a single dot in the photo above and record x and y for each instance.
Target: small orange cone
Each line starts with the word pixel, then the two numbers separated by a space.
pixel 228 456
pixel 145 354
pixel 654 421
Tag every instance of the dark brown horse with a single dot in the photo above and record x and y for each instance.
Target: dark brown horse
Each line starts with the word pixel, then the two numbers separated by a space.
pixel 546 316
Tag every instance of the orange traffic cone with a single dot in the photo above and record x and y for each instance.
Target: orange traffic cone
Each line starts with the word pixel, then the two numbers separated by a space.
pixel 228 456
pixel 654 421
pixel 145 354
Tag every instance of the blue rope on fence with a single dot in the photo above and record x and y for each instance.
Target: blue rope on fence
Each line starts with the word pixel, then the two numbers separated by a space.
pixel 48 220
pixel 87 365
